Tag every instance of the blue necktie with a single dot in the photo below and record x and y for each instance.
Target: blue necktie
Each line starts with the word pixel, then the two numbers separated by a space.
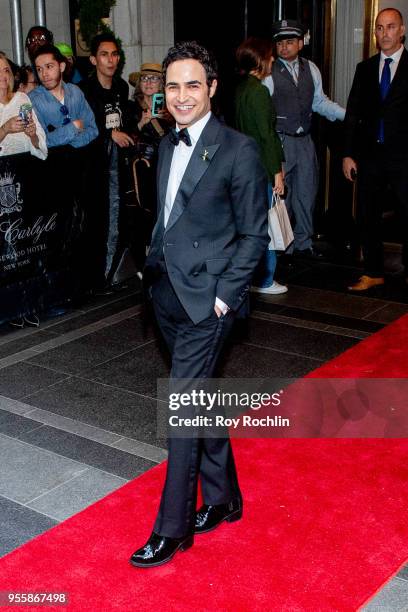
pixel 384 88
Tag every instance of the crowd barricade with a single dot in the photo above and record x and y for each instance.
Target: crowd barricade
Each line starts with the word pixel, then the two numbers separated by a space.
pixel 39 227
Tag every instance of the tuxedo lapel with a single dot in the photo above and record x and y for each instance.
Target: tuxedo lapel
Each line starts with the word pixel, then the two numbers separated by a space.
pixel 158 230
pixel 163 171
pixel 198 165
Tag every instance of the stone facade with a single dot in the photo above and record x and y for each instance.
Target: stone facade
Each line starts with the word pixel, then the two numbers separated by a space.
pixel 146 30
pixel 57 12
pixel 144 26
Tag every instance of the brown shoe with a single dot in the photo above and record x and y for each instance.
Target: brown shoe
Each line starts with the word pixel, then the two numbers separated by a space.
pixel 366 282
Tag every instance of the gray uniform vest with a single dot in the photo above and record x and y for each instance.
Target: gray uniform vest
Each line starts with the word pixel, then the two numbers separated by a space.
pixel 293 103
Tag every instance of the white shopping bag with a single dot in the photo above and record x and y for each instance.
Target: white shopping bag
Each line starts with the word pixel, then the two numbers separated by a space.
pixel 279 227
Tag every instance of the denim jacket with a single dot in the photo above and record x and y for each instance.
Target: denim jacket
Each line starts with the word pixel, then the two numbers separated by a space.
pixel 57 125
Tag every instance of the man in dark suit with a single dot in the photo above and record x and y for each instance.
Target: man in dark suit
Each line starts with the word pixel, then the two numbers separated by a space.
pixel 210 234
pixel 376 141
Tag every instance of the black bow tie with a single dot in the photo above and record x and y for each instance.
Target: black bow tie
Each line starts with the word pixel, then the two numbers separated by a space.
pixel 183 135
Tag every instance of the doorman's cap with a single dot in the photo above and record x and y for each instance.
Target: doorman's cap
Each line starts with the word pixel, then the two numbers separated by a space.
pixel 287 28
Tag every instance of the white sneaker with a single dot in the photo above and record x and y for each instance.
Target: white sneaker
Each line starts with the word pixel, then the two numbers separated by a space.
pixel 274 289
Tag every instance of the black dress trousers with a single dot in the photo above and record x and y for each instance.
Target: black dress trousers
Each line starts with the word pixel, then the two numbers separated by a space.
pixel 194 350
pixel 375 173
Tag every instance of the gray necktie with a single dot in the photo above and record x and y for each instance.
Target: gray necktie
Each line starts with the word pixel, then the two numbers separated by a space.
pixel 294 71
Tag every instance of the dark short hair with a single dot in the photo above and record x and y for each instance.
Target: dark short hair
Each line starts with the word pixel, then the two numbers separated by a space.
pixel 50 49
pixel 192 50
pixel 47 33
pixel 253 54
pixel 101 38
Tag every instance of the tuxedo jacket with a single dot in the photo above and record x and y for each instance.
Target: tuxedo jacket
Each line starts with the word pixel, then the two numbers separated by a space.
pixel 217 229
pixel 365 109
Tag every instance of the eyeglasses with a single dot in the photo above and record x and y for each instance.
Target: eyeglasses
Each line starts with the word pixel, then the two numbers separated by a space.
pixel 38 38
pixel 146 78
pixel 64 110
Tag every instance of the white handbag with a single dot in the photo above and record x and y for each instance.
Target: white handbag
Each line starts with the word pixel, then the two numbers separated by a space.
pixel 279 227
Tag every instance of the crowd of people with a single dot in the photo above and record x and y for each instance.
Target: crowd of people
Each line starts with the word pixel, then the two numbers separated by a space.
pixel 91 131
pixel 214 187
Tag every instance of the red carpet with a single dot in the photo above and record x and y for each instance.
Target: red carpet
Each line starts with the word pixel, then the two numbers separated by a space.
pixel 325 524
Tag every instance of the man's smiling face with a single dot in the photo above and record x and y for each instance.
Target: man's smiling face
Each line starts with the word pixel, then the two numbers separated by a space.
pixel 188 97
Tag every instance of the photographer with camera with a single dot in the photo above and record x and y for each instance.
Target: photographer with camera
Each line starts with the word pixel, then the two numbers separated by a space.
pixel 153 120
pixel 152 123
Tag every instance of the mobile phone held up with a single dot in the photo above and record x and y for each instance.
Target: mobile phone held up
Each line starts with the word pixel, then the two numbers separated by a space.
pixel 25 113
pixel 157 104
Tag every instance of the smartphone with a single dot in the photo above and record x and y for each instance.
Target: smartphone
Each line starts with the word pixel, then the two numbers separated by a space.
pixel 26 112
pixel 157 104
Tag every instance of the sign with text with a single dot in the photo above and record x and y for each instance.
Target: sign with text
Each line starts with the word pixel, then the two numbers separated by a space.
pixel 36 222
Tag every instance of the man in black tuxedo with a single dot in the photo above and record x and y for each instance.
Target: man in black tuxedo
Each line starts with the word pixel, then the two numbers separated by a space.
pixel 210 234
pixel 376 142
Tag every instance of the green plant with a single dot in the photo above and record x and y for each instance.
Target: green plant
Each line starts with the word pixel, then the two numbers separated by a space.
pixel 91 13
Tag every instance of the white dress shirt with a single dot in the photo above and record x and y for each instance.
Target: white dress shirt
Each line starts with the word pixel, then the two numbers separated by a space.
pixel 179 162
pixel 393 65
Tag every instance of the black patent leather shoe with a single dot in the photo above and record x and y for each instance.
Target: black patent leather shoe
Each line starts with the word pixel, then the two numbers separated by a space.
pixel 159 549
pixel 209 517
